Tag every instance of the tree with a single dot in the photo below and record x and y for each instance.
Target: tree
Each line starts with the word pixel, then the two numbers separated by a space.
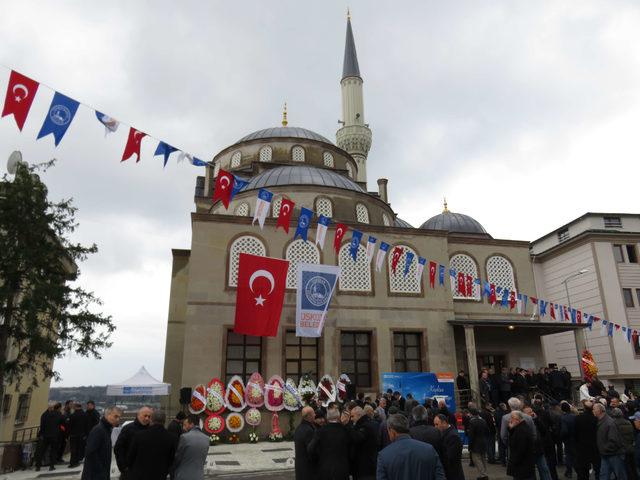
pixel 43 311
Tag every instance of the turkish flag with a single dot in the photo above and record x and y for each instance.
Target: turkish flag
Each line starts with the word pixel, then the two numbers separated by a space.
pixel 224 187
pixel 462 288
pixel 284 218
pixel 261 286
pixel 579 316
pixel 395 258
pixel 634 337
pixel 492 294
pixel 469 285
pixel 432 274
pixel 512 299
pixel 552 311
pixel 20 94
pixel 133 144
pixel 566 313
pixel 341 229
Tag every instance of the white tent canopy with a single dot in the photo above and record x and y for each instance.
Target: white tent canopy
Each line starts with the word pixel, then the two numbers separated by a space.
pixel 142 383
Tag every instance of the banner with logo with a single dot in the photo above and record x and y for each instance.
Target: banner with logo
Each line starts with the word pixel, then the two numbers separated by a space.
pixel 422 385
pixel 316 284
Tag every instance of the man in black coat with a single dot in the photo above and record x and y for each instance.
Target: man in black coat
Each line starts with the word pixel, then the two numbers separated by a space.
pixel 586 455
pixel 77 430
pixel 423 431
pixel 478 432
pixel 330 447
pixel 175 425
pixel 121 448
pixel 305 467
pixel 152 451
pixel 521 456
pixel 451 448
pixel 364 444
pixel 93 417
pixel 97 461
pixel 49 436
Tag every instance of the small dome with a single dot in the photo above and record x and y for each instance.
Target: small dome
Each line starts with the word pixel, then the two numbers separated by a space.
pixel 398 222
pixel 284 132
pixel 454 222
pixel 301 175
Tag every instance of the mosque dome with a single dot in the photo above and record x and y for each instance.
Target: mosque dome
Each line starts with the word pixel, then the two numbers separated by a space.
pixel 302 175
pixel 284 132
pixel 454 223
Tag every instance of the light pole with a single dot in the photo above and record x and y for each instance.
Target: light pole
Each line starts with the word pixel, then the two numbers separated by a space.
pixel 580 337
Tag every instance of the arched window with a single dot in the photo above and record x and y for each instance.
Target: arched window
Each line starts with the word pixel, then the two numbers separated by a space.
pixel 297 154
pixel 242 210
pixel 399 283
pixel 385 220
pixel 266 153
pixel 465 264
pixel 235 159
pixel 500 272
pixel 297 252
pixel 349 170
pixel 328 159
pixel 275 207
pixel 362 214
pixel 354 276
pixel 324 207
pixel 246 244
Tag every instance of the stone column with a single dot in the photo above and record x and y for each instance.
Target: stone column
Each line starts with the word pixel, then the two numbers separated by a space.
pixel 470 341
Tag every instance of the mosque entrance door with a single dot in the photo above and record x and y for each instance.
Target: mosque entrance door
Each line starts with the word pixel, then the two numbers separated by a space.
pixel 491 361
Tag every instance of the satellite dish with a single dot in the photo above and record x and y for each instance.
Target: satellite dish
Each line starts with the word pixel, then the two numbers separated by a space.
pixel 12 164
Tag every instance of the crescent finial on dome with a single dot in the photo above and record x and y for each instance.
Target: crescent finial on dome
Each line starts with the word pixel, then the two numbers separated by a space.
pixel 446 209
pixel 284 116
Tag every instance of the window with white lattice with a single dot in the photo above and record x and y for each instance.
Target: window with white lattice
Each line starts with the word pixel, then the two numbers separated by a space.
pixel 246 244
pixel 216 169
pixel 465 264
pixel 297 154
pixel 328 159
pixel 354 276
pixel 297 252
pixel 385 220
pixel 324 207
pixel 349 170
pixel 266 153
pixel 399 282
pixel 275 207
pixel 500 272
pixel 242 210
pixel 235 159
pixel 362 214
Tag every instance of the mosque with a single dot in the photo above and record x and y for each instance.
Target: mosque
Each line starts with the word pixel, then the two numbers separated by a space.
pixel 377 322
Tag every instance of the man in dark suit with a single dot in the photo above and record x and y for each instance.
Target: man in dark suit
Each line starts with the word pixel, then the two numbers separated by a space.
pixel 587 455
pixel 451 448
pixel 423 431
pixel 406 458
pixel 330 447
pixel 521 455
pixel 305 467
pixel 152 451
pixel 121 448
pixel 97 461
pixel 77 430
pixel 364 445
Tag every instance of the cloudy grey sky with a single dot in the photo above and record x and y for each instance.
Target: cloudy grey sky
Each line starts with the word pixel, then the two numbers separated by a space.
pixel 524 114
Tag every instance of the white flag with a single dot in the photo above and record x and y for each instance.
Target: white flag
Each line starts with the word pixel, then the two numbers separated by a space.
pixel 371 247
pixel 382 252
pixel 321 230
pixel 420 269
pixel 262 206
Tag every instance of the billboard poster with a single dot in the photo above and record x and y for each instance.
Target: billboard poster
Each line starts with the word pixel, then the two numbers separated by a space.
pixel 422 385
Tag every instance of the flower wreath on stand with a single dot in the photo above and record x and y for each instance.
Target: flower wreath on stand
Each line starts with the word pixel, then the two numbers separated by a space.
pixel 274 402
pixel 306 389
pixel 253 417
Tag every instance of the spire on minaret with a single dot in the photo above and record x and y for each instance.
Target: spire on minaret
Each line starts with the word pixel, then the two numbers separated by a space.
pixel 350 65
pixel 284 116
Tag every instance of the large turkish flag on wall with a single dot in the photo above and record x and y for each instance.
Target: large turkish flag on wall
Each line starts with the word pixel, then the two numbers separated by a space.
pixel 261 286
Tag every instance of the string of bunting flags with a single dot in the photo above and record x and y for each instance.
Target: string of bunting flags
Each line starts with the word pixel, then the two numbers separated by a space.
pixel 21 92
pixel 228 185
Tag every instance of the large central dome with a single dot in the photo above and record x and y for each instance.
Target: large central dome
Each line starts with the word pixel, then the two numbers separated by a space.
pixel 284 132
pixel 454 222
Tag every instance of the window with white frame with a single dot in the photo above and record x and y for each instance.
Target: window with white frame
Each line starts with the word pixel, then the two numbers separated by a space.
pixel 500 272
pixel 349 170
pixel 362 214
pixel 465 264
pixel 275 207
pixel 245 244
pixel 297 252
pixel 266 153
pixel 354 276
pixel 327 159
pixel 235 159
pixel 401 283
pixel 297 154
pixel 324 207
pixel 242 210
pixel 385 220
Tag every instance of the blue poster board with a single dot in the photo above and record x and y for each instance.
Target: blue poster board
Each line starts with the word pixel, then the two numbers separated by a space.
pixel 422 385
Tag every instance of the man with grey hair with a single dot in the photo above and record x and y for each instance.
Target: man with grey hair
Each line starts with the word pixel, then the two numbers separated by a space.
pixel 97 460
pixel 330 448
pixel 123 443
pixel 515 405
pixel 364 440
pixel 422 431
pixel 152 451
pixel 405 458
pixel 521 452
pixel 610 445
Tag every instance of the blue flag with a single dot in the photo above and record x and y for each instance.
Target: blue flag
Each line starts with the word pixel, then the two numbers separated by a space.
pixel 441 274
pixel 303 223
pixel 166 150
pixel 543 307
pixel 505 297
pixel 59 117
pixel 196 162
pixel 590 323
pixel 408 261
pixel 628 333
pixel 487 289
pixel 238 184
pixel 356 236
pixel 573 315
pixel 610 329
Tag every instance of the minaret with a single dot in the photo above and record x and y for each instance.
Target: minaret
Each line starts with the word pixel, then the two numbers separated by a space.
pixel 354 136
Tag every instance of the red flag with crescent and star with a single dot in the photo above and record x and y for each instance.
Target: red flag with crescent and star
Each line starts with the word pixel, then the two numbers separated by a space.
pixel 462 287
pixel 20 94
pixel 492 294
pixel 469 285
pixel 133 144
pixel 341 229
pixel 284 217
pixel 261 285
pixel 512 300
pixel 432 274
pixel 224 187
pixel 395 258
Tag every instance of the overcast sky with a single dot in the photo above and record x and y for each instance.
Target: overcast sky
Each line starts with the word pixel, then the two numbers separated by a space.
pixel 524 114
